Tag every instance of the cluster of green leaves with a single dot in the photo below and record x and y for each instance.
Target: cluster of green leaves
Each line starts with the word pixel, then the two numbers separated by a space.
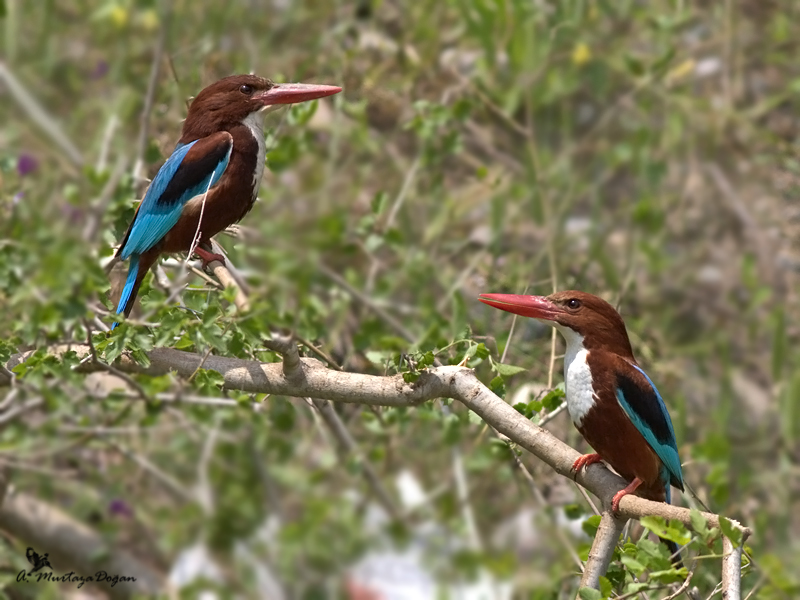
pixel 550 401
pixel 646 564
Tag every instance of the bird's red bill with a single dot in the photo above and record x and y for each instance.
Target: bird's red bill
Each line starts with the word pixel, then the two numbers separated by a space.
pixel 536 307
pixel 292 93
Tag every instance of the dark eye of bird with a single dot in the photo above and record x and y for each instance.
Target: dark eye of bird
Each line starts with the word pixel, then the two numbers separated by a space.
pixel 246 89
pixel 573 304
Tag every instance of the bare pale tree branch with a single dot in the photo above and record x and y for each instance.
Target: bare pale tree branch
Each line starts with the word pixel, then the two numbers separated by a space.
pixel 602 550
pixel 308 377
pixel 731 570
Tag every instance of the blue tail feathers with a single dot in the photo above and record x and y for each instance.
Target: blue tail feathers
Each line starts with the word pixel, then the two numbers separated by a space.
pixel 130 286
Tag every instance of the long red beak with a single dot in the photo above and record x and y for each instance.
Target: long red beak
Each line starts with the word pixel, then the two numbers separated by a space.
pixel 536 307
pixel 292 93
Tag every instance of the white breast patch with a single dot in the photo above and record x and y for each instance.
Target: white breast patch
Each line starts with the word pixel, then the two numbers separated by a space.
pixel 255 123
pixel 577 376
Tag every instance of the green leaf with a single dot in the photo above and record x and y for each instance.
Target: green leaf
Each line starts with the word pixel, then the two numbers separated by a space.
pixel 184 343
pixel 553 399
pixel 426 361
pixel 507 370
pixel 141 358
pixel 534 407
pixel 471 351
pixel 669 575
pixel 648 549
pixel 605 587
pixel 379 202
pixel 208 382
pixel 699 522
pixel 635 587
pixel 498 386
pixel 586 593
pixel 373 242
pixel 410 377
pixel 730 531
pixel 700 526
pixel 658 526
pixel 590 525
pixel 633 564
pixel 634 65
pixel 6 349
pixel 481 351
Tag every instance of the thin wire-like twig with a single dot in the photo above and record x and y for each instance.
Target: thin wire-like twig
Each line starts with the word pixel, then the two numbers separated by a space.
pixel 319 352
pixel 368 302
pixel 588 498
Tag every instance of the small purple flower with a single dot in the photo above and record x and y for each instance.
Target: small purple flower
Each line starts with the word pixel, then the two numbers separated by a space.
pixel 26 164
pixel 17 198
pixel 73 214
pixel 120 508
pixel 100 70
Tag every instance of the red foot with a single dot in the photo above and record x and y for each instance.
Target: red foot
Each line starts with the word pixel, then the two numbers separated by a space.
pixel 208 257
pixel 585 461
pixel 620 494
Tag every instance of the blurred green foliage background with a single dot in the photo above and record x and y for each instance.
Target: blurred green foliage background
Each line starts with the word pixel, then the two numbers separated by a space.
pixel 642 151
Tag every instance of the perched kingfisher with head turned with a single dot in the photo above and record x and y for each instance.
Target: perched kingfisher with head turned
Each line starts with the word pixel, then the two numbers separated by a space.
pixel 211 179
pixel 610 399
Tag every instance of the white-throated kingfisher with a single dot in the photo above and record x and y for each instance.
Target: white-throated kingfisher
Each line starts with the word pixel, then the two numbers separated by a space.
pixel 610 399
pixel 211 179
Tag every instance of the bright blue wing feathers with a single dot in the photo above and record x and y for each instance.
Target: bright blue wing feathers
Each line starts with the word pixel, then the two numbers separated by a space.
pixel 178 181
pixel 647 411
pixel 192 169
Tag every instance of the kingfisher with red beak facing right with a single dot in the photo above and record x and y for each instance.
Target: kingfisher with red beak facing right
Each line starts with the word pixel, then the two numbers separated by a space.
pixel 211 179
pixel 610 399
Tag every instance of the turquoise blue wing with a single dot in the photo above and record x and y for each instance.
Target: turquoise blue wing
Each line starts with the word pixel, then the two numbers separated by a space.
pixel 644 406
pixel 191 170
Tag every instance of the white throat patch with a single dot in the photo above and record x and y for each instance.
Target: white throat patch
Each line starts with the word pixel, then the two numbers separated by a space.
pixel 255 123
pixel 577 376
